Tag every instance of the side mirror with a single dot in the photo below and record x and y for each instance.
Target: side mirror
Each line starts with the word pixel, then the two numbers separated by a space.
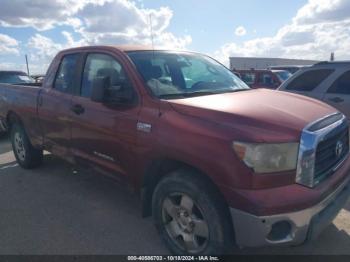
pixel 118 94
pixel 99 85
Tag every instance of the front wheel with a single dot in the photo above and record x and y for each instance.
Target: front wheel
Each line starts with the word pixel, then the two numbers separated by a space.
pixel 190 217
pixel 26 155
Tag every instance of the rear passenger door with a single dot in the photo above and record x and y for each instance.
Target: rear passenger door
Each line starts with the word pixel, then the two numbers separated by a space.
pixel 54 106
pixel 338 95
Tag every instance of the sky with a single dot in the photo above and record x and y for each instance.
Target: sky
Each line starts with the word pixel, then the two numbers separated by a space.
pixel 309 29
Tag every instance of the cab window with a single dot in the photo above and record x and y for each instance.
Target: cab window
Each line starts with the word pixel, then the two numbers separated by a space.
pixel 102 65
pixel 65 74
pixel 309 80
pixel 266 79
pixel 248 78
pixel 341 85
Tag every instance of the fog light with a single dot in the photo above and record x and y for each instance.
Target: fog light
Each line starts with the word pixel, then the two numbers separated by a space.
pixel 279 231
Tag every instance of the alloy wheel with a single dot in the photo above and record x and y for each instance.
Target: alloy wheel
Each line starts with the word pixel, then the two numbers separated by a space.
pixel 185 223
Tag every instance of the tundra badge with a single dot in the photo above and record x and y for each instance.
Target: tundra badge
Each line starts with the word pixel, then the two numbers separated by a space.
pixel 144 127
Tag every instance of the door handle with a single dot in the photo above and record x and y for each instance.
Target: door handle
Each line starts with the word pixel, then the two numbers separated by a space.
pixel 40 100
pixel 336 99
pixel 78 109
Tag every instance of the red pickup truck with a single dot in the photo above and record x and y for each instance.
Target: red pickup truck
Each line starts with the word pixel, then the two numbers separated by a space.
pixel 215 162
pixel 257 78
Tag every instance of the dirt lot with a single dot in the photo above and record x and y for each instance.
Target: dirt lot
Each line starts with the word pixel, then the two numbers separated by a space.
pixel 53 210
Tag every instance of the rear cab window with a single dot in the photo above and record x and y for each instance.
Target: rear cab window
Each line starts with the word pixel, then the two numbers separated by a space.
pixel 266 79
pixel 309 80
pixel 248 78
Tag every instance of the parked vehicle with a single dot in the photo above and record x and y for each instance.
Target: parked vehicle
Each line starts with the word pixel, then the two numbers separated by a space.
pixel 290 68
pixel 264 78
pixel 15 77
pixel 38 78
pixel 325 81
pixel 214 162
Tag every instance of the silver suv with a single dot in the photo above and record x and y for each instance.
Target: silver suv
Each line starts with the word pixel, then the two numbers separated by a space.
pixel 326 81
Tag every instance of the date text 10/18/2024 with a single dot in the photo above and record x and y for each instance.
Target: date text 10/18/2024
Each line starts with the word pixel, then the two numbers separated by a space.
pixel 173 258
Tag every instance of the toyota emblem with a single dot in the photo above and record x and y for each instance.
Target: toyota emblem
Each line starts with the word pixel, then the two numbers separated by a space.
pixel 339 148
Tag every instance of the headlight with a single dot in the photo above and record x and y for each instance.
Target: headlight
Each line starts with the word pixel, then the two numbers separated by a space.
pixel 268 158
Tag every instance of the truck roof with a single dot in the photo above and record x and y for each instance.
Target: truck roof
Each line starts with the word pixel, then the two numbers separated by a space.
pixel 123 48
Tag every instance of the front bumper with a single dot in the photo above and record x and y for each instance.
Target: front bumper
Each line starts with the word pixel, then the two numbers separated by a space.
pixel 289 228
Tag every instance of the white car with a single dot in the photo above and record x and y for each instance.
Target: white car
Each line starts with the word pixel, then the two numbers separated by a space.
pixel 326 81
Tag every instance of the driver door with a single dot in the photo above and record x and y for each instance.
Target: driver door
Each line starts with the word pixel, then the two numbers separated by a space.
pixel 102 134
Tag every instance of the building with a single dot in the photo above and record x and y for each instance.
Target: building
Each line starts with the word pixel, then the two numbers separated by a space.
pixel 263 63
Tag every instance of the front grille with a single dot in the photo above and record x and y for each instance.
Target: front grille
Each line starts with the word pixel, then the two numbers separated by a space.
pixel 328 152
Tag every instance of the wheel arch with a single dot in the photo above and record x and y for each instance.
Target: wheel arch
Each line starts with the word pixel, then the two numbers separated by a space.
pixel 12 118
pixel 158 169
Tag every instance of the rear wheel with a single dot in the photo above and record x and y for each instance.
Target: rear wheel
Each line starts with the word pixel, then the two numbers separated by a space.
pixel 26 155
pixel 190 217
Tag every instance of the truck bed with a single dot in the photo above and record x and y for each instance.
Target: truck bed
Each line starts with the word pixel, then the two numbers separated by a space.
pixel 20 100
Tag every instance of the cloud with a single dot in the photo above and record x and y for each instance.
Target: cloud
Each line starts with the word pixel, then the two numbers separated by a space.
pixel 39 14
pixel 97 21
pixel 92 21
pixel 240 31
pixel 8 45
pixel 121 22
pixel 319 28
pixel 44 48
pixel 316 11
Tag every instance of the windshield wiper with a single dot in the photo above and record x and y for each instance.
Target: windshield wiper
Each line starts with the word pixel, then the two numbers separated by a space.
pixel 199 93
pixel 182 95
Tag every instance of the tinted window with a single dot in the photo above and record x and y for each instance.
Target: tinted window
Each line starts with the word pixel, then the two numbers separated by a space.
pixel 266 79
pixel 341 85
pixel 101 65
pixel 248 78
pixel 309 80
pixel 66 73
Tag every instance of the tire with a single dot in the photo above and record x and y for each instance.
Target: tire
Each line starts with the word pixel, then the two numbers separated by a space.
pixel 26 155
pixel 190 216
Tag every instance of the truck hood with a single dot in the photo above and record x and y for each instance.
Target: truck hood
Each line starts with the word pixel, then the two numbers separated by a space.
pixel 257 115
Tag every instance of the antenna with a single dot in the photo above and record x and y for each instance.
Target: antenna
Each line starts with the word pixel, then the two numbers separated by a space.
pixel 150 24
pixel 153 55
pixel 151 27
pixel 27 64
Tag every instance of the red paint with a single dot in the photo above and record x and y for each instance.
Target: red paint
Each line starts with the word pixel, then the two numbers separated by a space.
pixel 257 75
pixel 197 131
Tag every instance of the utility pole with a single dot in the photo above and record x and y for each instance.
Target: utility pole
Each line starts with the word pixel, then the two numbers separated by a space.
pixel 27 64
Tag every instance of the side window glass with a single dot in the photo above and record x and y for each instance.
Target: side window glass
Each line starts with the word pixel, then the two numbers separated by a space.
pixel 266 79
pixel 309 80
pixel 65 75
pixel 248 78
pixel 101 65
pixel 341 85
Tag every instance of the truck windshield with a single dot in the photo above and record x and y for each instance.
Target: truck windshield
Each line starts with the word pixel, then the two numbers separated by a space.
pixel 15 78
pixel 181 74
